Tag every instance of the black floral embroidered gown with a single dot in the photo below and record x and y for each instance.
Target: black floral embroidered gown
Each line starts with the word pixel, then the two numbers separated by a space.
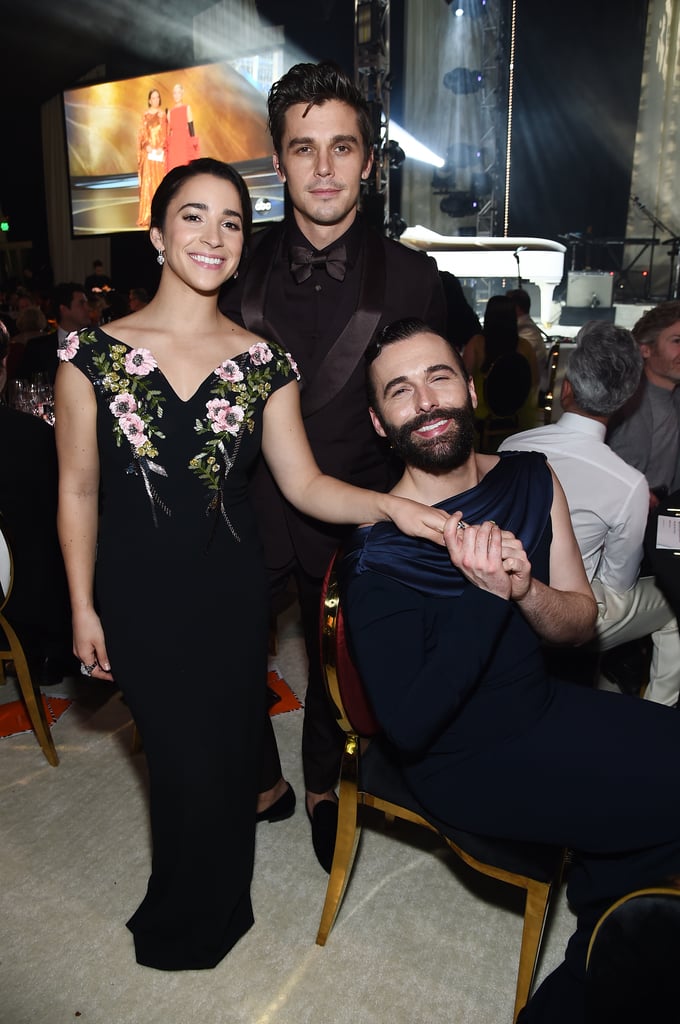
pixel 182 594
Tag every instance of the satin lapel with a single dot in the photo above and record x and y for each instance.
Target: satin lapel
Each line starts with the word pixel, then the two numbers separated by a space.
pixel 256 286
pixel 342 359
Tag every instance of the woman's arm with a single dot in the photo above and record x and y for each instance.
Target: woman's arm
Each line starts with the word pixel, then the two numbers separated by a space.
pixel 77 516
pixel 290 459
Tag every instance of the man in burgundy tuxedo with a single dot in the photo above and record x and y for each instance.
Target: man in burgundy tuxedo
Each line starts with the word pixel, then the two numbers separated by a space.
pixel 320 284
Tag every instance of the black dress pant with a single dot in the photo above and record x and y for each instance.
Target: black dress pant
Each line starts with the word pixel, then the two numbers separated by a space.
pixel 322 738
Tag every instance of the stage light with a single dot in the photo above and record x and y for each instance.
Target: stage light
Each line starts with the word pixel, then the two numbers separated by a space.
pixel 473 8
pixel 481 184
pixel 395 154
pixel 4 226
pixel 463 154
pixel 463 80
pixel 459 204
pixel 413 149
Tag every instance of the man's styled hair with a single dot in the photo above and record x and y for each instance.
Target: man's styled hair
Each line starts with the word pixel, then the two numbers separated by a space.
pixel 604 369
pixel 314 84
pixel 521 298
pixel 648 328
pixel 62 295
pixel 402 330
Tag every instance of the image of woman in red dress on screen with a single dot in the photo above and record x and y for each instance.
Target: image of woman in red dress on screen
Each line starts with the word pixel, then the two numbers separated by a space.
pixel 183 144
pixel 152 144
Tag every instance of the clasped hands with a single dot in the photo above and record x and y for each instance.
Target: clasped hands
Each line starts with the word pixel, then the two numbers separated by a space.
pixel 489 557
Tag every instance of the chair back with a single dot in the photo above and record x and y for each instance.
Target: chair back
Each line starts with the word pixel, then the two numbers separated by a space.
pixel 507 384
pixel 343 682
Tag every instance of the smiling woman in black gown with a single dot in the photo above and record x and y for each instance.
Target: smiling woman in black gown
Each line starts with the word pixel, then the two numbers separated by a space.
pixel 159 419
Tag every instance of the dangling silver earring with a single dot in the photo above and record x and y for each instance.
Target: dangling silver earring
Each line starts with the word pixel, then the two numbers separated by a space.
pixel 235 275
pixel 160 259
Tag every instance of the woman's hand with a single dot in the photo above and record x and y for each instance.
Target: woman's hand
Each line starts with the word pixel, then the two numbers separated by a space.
pixel 416 520
pixel 89 645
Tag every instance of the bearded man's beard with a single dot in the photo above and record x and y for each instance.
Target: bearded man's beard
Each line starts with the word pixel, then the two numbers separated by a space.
pixel 435 454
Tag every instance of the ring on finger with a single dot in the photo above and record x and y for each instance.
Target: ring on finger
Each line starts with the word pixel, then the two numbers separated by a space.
pixel 87 670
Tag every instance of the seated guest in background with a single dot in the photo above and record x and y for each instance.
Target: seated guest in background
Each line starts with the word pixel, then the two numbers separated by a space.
pixel 71 310
pixel 38 607
pixel 646 434
pixel 116 307
pixel 530 331
pixel 138 298
pixel 462 323
pixel 608 499
pixel 98 281
pixel 30 322
pixel 448 641
pixel 499 338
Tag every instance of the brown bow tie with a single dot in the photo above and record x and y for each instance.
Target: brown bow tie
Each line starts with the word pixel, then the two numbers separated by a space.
pixel 303 261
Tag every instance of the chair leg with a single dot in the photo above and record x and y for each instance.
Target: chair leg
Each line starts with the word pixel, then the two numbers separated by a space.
pixel 535 911
pixel 33 702
pixel 346 842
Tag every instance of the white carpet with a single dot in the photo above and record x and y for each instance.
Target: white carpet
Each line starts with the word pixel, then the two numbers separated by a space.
pixel 419 939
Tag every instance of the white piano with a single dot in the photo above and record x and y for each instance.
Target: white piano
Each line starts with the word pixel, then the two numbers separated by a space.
pixel 538 260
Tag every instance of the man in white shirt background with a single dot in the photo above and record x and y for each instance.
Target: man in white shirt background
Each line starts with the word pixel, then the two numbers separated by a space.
pixel 608 499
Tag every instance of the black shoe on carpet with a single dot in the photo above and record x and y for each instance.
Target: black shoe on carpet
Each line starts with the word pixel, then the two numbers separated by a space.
pixel 281 809
pixel 324 822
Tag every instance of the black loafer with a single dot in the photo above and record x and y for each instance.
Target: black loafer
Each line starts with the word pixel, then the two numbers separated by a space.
pixel 281 809
pixel 324 822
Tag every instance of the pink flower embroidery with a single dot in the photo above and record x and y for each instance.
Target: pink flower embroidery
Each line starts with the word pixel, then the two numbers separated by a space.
pixel 229 371
pixel 293 365
pixel 123 404
pixel 133 428
pixel 69 346
pixel 260 353
pixel 223 416
pixel 139 362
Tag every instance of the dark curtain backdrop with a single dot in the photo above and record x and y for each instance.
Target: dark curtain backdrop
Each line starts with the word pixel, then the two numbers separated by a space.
pixel 577 90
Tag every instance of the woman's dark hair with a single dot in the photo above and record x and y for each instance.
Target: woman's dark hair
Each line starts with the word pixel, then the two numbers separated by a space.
pixel 151 92
pixel 175 178
pixel 500 329
pixel 314 84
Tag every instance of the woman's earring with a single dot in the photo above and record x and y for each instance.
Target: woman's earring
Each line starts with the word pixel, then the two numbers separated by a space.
pixel 235 275
pixel 160 259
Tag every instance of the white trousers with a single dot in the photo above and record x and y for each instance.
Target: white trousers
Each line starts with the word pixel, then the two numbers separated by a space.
pixel 640 611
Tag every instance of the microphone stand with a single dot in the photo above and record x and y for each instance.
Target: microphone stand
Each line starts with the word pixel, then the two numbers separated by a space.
pixel 674 241
pixel 516 253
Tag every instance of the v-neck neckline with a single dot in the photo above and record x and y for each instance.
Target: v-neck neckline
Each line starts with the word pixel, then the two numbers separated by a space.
pixel 158 369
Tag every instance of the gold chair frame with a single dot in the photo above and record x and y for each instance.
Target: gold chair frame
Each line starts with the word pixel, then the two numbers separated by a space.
pixel 352 795
pixel 12 650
